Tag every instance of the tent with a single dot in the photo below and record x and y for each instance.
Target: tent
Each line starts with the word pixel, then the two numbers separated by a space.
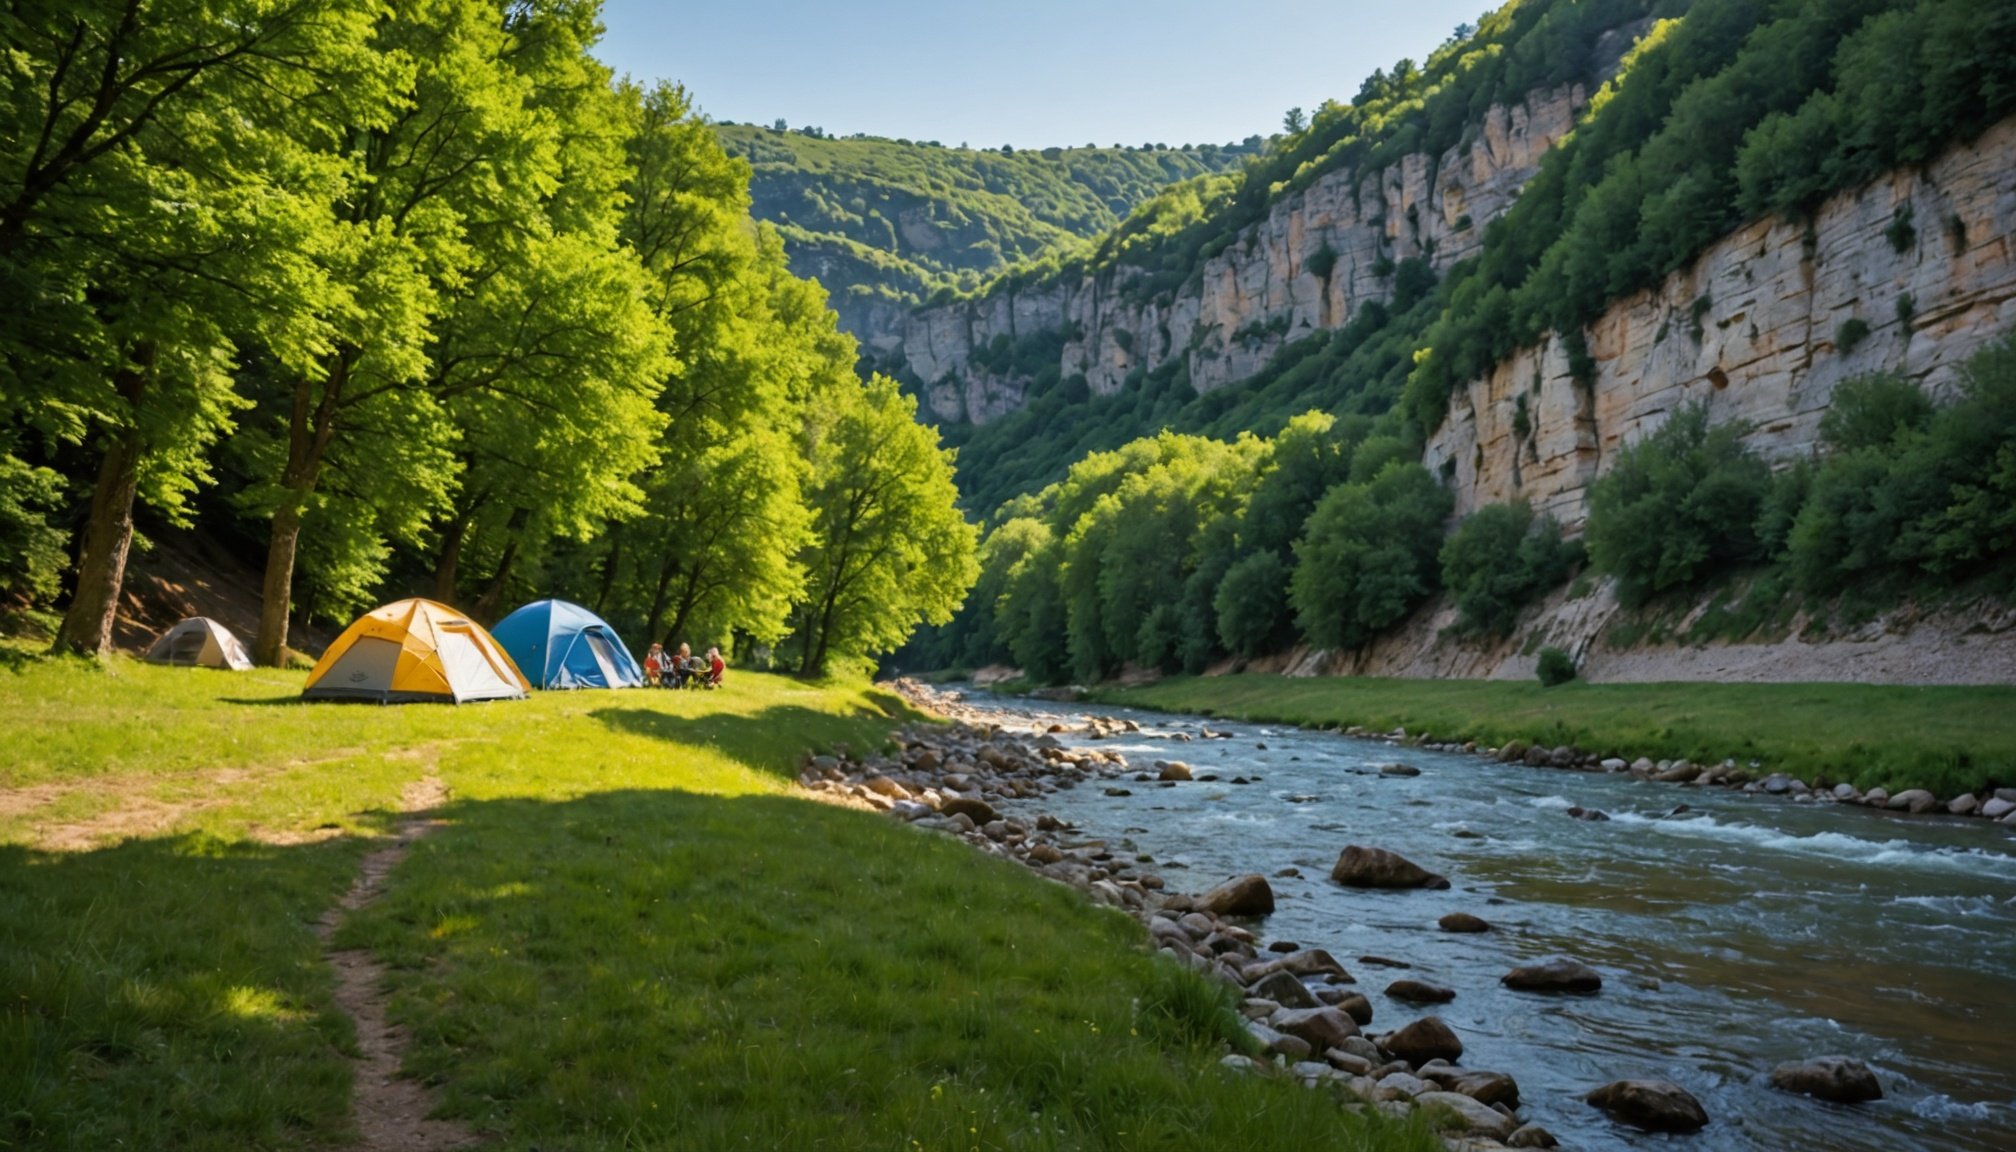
pixel 562 645
pixel 412 651
pixel 199 640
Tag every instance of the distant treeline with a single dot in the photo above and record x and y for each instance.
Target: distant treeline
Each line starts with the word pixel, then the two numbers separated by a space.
pixel 1174 552
pixel 415 298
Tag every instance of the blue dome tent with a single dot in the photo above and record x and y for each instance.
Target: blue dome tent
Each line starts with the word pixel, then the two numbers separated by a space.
pixel 562 645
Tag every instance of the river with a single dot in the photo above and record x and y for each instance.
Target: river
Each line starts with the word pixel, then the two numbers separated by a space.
pixel 1738 934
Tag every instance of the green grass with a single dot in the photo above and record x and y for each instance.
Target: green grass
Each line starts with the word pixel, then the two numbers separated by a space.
pixel 1946 739
pixel 629 934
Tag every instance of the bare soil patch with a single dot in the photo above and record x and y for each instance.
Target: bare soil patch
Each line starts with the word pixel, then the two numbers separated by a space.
pixel 392 1113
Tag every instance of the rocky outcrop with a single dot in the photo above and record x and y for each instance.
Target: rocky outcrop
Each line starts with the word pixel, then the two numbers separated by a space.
pixel 1911 273
pixel 1320 256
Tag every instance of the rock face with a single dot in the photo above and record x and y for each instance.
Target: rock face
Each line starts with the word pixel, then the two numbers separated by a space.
pixel 1321 254
pixel 1834 1078
pixel 1654 1105
pixel 1772 298
pixel 1360 867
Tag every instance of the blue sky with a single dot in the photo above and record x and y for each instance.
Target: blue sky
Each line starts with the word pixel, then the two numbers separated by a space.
pixel 1029 74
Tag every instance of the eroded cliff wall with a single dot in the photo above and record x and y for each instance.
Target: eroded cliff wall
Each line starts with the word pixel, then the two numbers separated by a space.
pixel 1911 273
pixel 1319 256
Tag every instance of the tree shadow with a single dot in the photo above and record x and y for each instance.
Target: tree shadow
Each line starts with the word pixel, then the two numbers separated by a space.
pixel 769 741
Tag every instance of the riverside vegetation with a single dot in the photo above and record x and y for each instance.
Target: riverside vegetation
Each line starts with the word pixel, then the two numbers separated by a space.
pixel 625 929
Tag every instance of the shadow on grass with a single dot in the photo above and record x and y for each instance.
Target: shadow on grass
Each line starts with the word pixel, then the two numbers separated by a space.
pixel 770 740
pixel 169 993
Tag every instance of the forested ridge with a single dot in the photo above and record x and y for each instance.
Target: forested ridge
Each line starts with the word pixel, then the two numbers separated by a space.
pixel 423 299
pixel 881 220
pixel 1723 111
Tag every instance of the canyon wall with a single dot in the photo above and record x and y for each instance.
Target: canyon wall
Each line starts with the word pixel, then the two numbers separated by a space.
pixel 1320 255
pixel 1911 273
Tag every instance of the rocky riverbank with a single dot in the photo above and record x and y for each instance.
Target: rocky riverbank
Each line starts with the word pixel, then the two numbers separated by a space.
pixel 1305 1011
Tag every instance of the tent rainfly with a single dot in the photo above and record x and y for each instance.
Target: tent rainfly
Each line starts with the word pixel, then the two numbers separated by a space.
pixel 199 641
pixel 563 645
pixel 413 651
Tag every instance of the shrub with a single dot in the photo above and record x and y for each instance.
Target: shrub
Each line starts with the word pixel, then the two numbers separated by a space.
pixel 1851 332
pixel 1678 504
pixel 1252 604
pixel 1498 561
pixel 1556 667
pixel 1367 557
pixel 31 548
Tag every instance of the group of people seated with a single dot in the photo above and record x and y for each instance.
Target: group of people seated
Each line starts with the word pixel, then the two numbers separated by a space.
pixel 682 669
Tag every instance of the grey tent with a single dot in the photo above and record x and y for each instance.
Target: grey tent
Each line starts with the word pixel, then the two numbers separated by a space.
pixel 200 641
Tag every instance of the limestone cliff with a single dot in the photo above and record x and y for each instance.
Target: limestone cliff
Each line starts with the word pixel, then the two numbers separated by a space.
pixel 1911 273
pixel 1320 255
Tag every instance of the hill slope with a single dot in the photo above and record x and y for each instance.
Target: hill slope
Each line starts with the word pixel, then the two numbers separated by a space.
pixel 884 224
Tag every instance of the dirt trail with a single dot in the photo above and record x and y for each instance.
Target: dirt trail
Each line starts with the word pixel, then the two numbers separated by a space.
pixel 391 1112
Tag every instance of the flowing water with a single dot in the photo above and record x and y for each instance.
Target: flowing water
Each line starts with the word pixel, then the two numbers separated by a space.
pixel 1741 933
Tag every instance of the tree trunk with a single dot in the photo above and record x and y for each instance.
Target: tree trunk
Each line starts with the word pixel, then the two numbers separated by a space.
pixel 101 570
pixel 660 597
pixel 610 564
pixel 310 428
pixel 486 604
pixel 446 565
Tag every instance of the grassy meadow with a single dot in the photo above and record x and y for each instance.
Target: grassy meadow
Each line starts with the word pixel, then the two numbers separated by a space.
pixel 1948 739
pixel 630 932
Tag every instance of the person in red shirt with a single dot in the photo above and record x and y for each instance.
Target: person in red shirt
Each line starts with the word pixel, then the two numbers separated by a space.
pixel 716 667
pixel 654 666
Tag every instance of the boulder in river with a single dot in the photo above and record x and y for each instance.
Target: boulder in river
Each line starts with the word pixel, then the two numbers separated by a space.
pixel 1248 895
pixel 1481 1086
pixel 971 807
pixel 1361 867
pixel 1454 1110
pixel 1172 770
pixel 1912 800
pixel 1531 1136
pixel 1399 770
pixel 1654 1105
pixel 1425 1039
pixel 1323 1028
pixel 1553 976
pixel 1420 992
pixel 1356 1006
pixel 1463 922
pixel 1838 1079
pixel 1284 989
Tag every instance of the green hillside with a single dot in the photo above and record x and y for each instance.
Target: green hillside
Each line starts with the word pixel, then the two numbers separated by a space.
pixel 876 219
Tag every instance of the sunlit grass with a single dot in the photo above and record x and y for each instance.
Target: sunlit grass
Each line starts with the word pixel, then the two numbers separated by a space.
pixel 1945 738
pixel 628 934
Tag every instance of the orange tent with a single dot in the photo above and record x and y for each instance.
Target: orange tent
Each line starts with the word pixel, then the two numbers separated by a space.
pixel 415 650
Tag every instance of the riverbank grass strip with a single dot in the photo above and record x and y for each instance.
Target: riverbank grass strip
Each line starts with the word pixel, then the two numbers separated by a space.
pixel 1947 739
pixel 628 933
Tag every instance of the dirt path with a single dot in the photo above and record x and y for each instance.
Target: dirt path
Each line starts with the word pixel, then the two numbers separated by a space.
pixel 391 1112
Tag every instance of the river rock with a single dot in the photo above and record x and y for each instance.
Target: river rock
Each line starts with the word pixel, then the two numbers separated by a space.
pixel 1361 867
pixel 1284 989
pixel 1043 853
pixel 1678 774
pixel 1399 1086
pixel 1876 797
pixel 1356 1006
pixel 1531 1136
pixel 1469 1115
pixel 1847 792
pixel 1554 976
pixel 1399 770
pixel 1654 1105
pixel 1425 1039
pixel 1463 922
pixel 1965 804
pixel 1912 800
pixel 1777 784
pixel 1322 1027
pixel 973 808
pixel 1577 812
pixel 1313 962
pixel 1420 992
pixel 1247 895
pixel 1346 1062
pixel 1483 1087
pixel 1171 770
pixel 1293 1047
pixel 1997 808
pixel 1834 1078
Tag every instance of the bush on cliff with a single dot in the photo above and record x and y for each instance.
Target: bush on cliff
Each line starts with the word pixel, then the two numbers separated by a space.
pixel 1367 558
pixel 1499 560
pixel 1679 504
